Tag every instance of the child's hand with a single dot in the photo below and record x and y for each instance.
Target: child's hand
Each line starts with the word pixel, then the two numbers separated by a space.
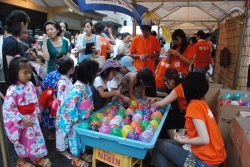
pixel 1 95
pixel 151 100
pixel 155 105
pixel 27 122
pixel 127 99
pixel 178 138
pixel 117 93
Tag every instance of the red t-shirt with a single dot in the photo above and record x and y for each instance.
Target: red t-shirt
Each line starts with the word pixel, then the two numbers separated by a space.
pixel 104 46
pixel 202 51
pixel 141 46
pixel 214 152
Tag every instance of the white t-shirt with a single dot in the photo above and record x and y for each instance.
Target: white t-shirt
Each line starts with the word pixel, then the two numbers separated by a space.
pixel 115 47
pixel 115 82
pixel 99 82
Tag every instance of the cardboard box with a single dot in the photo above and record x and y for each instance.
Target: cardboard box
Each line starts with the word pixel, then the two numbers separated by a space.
pixel 214 85
pixel 245 114
pixel 211 99
pixel 238 154
pixel 245 150
pixel 232 154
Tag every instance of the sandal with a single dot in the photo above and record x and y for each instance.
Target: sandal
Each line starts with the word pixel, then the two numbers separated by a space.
pixel 24 163
pixel 66 154
pixel 44 162
pixel 77 162
pixel 52 138
pixel 86 157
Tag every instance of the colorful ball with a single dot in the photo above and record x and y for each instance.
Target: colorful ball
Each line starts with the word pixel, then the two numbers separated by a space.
pixel 110 116
pixel 157 114
pixel 118 117
pixel 154 123
pixel 129 117
pixel 129 109
pixel 115 131
pixel 152 109
pixel 145 110
pixel 114 108
pixel 84 125
pixel 146 117
pixel 161 110
pixel 134 103
pixel 225 101
pixel 99 115
pixel 133 135
pixel 95 123
pixel 121 113
pixel 236 96
pixel 121 101
pixel 241 102
pixel 105 129
pixel 245 95
pixel 138 112
pixel 125 130
pixel 137 118
pixel 94 127
pixel 135 124
pixel 226 96
pixel 139 130
pixel 127 120
pixel 94 118
pixel 107 109
pixel 157 119
pixel 105 120
pixel 130 113
pixel 247 103
pixel 132 107
pixel 113 125
pixel 114 121
pixel 146 137
pixel 123 123
pixel 144 124
pixel 234 103
pixel 151 129
pixel 112 112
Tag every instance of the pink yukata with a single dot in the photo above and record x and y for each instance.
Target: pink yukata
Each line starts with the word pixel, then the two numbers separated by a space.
pixel 28 141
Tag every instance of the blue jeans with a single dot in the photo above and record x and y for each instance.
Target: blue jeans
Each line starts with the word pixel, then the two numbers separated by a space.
pixel 200 163
pixel 200 70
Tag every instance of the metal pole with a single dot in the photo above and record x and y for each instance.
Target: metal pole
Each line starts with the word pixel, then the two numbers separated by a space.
pixel 3 141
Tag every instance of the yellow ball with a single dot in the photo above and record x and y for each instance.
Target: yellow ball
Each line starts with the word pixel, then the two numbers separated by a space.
pixel 154 123
pixel 134 103
pixel 107 109
pixel 125 130
pixel 99 115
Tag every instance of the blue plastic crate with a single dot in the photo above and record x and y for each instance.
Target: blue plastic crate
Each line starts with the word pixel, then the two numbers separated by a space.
pixel 119 145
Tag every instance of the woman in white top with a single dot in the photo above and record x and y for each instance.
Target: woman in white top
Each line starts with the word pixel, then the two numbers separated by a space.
pixel 88 37
pixel 122 48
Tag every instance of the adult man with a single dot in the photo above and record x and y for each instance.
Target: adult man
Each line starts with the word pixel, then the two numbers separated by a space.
pixel 145 48
pixel 202 54
pixel 105 45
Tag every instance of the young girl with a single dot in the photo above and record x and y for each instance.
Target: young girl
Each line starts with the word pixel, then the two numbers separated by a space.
pixel 76 108
pixel 134 83
pixel 176 116
pixel 99 88
pixel 21 114
pixel 66 67
pixel 207 146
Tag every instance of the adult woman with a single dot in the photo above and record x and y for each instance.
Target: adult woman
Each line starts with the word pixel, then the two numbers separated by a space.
pixel 122 48
pixel 207 146
pixel 64 27
pixel 17 23
pixel 181 54
pixel 134 83
pixel 53 45
pixel 85 38
pixel 175 119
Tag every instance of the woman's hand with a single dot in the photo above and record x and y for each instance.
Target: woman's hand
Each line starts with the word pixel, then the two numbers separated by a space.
pixel 151 100
pixel 45 38
pixel 93 48
pixel 117 92
pixel 174 52
pixel 27 122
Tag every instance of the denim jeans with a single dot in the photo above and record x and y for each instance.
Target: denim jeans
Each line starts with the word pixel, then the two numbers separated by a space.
pixel 200 163
pixel 200 70
pixel 168 150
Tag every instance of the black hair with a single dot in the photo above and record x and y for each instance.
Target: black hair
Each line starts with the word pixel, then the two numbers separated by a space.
pixel 28 52
pixel 125 34
pixel 64 65
pixel 87 70
pixel 137 79
pixel 40 57
pixel 16 64
pixel 99 27
pixel 172 73
pixel 87 21
pixel 13 22
pixel 59 55
pixel 66 25
pixel 184 44
pixel 55 24
pixel 146 27
pixel 154 33
pixel 119 56
pixel 195 86
pixel 105 73
pixel 207 35
pixel 194 40
pixel 201 34
pixel 118 34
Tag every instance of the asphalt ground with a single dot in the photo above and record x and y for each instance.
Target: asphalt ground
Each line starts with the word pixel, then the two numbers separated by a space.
pixel 55 157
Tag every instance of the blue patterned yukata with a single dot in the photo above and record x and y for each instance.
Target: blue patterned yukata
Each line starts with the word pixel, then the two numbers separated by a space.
pixel 50 81
pixel 75 108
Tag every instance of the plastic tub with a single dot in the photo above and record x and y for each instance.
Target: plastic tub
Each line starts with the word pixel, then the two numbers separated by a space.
pixel 119 145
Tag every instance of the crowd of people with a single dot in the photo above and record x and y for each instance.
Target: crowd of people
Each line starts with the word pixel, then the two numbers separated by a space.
pixel 59 80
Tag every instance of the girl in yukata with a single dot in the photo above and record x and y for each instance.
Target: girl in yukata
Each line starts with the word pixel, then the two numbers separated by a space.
pixel 47 118
pixel 21 114
pixel 66 67
pixel 77 107
pixel 100 88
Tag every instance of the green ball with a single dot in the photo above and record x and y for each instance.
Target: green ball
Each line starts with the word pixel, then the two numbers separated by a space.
pixel 116 104
pixel 157 119
pixel 84 125
pixel 164 107
pixel 94 118
pixel 115 131
pixel 226 96
pixel 144 124
pixel 236 96
pixel 121 113
pixel 139 112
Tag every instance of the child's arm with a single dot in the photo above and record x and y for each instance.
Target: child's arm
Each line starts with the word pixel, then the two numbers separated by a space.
pixel 201 139
pixel 131 88
pixel 168 99
pixel 104 94
pixel 1 95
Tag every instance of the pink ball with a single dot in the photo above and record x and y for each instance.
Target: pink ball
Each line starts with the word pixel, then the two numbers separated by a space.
pixel 114 108
pixel 112 112
pixel 152 109
pixel 105 129
pixel 130 113
pixel 137 117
